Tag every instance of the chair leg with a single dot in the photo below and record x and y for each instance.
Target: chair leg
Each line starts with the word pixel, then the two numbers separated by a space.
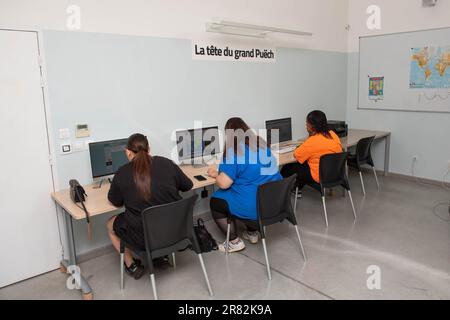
pixel 376 178
pixel 228 237
pixel 121 270
pixel 205 274
pixel 301 244
pixel 295 201
pixel 152 279
pixel 174 261
pixel 362 183
pixel 325 210
pixel 267 259
pixel 351 201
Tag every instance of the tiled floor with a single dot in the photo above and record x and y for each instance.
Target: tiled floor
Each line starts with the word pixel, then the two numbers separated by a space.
pixel 396 230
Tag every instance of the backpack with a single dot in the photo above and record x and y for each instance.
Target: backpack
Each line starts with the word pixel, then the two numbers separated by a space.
pixel 205 240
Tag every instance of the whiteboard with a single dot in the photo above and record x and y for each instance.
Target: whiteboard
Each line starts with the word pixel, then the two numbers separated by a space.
pixel 390 56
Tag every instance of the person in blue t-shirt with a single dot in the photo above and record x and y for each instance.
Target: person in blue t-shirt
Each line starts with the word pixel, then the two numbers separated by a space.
pixel 247 163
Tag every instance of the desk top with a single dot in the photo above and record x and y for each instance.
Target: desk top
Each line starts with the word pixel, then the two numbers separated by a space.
pixel 97 200
pixel 354 135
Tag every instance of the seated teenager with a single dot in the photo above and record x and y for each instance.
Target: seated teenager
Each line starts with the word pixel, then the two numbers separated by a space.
pixel 247 163
pixel 144 182
pixel 321 141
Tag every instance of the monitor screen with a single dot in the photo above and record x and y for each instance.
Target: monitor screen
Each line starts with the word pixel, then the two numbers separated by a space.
pixel 196 143
pixel 107 157
pixel 285 130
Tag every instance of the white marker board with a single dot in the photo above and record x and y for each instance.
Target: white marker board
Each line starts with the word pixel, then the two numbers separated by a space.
pixel 390 56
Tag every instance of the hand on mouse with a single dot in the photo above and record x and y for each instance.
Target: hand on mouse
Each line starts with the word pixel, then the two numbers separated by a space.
pixel 212 172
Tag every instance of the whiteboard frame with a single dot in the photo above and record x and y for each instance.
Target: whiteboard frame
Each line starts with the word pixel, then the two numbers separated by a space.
pixel 359 71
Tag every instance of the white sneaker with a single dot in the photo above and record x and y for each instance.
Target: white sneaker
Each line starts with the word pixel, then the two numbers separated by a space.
pixel 232 247
pixel 253 237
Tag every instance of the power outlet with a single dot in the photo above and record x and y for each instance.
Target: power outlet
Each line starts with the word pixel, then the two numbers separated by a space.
pixel 415 158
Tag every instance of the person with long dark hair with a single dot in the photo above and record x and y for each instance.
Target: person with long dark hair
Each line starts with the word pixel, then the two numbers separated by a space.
pixel 321 141
pixel 247 163
pixel 144 182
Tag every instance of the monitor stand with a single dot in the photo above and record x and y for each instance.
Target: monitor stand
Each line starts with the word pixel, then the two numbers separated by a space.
pixel 202 162
pixel 100 182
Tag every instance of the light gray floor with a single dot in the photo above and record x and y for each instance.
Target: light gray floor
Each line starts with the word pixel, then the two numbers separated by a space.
pixel 396 230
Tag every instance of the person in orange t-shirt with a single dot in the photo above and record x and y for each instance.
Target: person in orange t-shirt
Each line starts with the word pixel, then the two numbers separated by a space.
pixel 321 141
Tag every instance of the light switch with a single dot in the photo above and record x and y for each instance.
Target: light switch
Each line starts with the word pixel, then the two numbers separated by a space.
pixel 78 147
pixel 64 133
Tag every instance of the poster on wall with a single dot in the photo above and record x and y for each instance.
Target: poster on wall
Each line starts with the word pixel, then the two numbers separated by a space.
pixel 376 88
pixel 430 68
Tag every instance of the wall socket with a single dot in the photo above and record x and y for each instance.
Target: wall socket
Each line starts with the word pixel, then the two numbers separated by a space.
pixel 415 158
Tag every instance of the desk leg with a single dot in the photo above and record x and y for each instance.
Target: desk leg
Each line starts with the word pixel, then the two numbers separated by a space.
pixel 70 266
pixel 387 150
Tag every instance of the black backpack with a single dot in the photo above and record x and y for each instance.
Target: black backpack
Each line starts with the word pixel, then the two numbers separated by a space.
pixel 205 240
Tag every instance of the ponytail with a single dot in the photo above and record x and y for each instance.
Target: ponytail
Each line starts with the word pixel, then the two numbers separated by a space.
pixel 141 163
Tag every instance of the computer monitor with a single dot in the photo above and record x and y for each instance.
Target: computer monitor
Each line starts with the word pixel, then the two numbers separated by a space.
pixel 197 143
pixel 107 157
pixel 284 126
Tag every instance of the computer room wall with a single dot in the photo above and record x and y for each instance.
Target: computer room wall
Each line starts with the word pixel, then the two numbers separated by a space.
pixel 421 134
pixel 124 84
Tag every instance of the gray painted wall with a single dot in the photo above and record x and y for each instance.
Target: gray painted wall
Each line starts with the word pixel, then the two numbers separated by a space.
pixel 124 84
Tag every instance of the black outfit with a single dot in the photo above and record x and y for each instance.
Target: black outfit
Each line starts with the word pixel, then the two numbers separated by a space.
pixel 221 213
pixel 303 173
pixel 167 180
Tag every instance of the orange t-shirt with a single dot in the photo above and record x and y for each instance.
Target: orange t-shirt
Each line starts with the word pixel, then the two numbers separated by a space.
pixel 314 147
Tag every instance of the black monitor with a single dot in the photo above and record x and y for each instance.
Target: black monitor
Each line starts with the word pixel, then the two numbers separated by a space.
pixel 107 157
pixel 284 127
pixel 197 143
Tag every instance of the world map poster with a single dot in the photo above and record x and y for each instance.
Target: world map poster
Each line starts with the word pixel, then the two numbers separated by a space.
pixel 430 68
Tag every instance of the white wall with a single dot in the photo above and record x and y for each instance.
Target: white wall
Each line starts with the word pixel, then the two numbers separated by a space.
pixel 413 133
pixel 186 18
pixel 396 16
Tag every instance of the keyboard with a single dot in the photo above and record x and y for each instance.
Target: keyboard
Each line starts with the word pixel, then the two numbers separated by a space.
pixel 286 149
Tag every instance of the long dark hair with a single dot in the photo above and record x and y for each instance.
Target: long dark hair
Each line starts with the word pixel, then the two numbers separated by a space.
pixel 138 144
pixel 235 124
pixel 318 120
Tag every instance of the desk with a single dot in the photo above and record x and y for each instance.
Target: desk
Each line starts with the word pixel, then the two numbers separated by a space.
pixel 354 135
pixel 97 203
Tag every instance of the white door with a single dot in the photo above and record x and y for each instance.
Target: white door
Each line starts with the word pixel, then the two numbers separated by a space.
pixel 29 243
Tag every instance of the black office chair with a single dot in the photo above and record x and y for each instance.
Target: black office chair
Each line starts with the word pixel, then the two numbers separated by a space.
pixel 274 206
pixel 363 156
pixel 167 229
pixel 332 173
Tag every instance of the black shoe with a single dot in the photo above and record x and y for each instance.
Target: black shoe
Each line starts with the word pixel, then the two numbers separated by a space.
pixel 136 270
pixel 161 262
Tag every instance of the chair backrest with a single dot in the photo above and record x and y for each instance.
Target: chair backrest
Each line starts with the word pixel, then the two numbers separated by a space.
pixel 363 154
pixel 168 225
pixel 332 169
pixel 274 201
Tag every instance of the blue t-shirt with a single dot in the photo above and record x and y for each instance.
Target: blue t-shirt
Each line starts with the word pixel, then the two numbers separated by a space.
pixel 248 169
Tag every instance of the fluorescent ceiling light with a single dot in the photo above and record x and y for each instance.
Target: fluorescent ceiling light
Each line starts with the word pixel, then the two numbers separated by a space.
pixel 249 30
